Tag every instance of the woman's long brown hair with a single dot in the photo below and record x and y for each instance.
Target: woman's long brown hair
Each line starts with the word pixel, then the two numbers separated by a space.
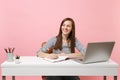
pixel 71 37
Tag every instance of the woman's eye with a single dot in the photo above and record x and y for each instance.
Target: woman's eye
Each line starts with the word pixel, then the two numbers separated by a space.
pixel 68 26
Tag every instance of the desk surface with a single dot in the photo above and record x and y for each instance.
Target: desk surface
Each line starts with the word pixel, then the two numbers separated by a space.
pixel 32 65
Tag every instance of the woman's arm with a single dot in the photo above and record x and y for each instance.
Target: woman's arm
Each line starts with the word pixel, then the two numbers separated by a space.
pixel 47 55
pixel 72 55
pixel 46 49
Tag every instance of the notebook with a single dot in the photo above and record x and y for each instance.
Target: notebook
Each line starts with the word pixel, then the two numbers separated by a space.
pixel 98 52
pixel 60 58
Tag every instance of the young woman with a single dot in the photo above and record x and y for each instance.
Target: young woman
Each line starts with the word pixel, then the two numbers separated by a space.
pixel 63 44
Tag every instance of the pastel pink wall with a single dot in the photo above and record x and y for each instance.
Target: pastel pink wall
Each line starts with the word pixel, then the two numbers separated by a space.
pixel 24 24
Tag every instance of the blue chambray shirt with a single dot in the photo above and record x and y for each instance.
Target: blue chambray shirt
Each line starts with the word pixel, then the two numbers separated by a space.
pixel 65 47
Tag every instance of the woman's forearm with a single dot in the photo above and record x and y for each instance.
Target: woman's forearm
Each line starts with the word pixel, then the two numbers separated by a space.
pixel 47 55
pixel 42 55
pixel 54 56
pixel 73 55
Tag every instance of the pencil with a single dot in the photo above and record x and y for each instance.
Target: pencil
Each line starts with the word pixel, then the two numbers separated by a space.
pixel 9 50
pixel 13 50
pixel 6 50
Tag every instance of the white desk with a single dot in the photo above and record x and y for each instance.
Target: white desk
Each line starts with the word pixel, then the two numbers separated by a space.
pixel 35 66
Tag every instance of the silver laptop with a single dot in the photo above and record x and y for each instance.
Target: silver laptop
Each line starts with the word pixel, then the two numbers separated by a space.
pixel 98 52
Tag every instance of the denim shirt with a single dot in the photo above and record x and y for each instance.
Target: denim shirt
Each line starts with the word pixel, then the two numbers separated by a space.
pixel 65 47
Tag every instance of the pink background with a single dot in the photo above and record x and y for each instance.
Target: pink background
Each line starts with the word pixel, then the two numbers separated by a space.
pixel 24 24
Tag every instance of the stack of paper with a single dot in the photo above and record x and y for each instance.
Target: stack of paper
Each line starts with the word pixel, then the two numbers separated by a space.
pixel 60 58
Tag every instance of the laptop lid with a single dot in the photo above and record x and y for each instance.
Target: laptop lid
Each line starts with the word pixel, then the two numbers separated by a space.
pixel 98 52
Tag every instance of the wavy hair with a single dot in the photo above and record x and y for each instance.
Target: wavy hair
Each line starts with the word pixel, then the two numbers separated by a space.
pixel 71 37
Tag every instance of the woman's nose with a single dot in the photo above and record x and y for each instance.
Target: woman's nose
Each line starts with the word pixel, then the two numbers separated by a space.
pixel 65 26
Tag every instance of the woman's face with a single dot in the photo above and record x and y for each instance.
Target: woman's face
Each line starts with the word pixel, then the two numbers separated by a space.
pixel 66 27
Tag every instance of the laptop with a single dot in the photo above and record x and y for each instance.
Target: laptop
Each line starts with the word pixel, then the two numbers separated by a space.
pixel 98 52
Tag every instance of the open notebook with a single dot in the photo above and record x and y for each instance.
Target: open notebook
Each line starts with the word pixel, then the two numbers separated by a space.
pixel 60 58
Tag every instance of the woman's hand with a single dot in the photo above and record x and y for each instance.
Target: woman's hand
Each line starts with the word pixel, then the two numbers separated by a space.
pixel 52 56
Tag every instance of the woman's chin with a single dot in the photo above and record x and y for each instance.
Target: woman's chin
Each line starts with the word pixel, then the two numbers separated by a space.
pixel 66 33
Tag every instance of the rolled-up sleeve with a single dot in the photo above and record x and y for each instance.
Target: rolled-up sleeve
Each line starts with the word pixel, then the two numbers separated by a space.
pixel 80 47
pixel 50 43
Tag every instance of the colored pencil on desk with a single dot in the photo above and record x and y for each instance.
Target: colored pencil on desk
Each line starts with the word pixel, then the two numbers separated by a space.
pixel 9 49
pixel 6 50
pixel 13 50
